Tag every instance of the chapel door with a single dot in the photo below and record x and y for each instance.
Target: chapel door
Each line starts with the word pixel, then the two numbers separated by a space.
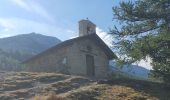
pixel 90 65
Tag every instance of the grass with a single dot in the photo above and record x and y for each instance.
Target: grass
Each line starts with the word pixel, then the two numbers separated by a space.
pixel 109 92
pixel 55 86
pixel 49 97
pixel 139 89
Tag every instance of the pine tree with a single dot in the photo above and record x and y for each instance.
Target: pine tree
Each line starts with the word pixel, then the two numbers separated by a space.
pixel 144 32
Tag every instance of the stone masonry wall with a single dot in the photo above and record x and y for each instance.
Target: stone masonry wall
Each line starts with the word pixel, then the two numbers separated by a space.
pixel 51 62
pixel 77 58
pixel 72 59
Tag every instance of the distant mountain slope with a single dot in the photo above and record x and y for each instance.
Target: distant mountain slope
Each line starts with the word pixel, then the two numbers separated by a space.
pixel 28 43
pixel 15 49
pixel 7 62
pixel 136 71
pixel 132 70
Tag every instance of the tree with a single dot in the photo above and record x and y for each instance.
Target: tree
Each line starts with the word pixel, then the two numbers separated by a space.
pixel 144 31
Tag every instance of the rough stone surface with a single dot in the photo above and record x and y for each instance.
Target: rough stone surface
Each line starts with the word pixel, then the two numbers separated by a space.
pixel 71 59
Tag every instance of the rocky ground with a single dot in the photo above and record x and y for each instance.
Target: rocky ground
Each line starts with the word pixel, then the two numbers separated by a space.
pixel 55 86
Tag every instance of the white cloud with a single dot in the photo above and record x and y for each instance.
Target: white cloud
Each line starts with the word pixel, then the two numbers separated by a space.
pixel 37 8
pixel 103 35
pixel 70 31
pixel 107 38
pixel 6 23
pixel 22 4
pixel 34 7
pixel 14 26
pixel 145 63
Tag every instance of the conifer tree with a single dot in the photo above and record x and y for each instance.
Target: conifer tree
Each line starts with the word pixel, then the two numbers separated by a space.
pixel 144 31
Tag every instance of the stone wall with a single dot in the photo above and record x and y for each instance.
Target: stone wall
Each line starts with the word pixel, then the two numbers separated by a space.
pixel 50 62
pixel 72 59
pixel 77 58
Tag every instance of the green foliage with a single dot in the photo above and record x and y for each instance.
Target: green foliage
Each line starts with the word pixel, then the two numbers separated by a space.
pixel 10 62
pixel 16 49
pixel 144 32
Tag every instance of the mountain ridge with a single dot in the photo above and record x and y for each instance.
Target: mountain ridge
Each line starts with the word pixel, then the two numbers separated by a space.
pixel 30 43
pixel 15 49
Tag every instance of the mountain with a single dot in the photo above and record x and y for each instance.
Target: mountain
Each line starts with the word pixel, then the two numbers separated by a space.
pixel 15 49
pixel 132 70
pixel 136 70
pixel 7 62
pixel 32 43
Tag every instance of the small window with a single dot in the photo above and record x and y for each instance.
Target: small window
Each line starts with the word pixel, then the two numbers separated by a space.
pixel 64 61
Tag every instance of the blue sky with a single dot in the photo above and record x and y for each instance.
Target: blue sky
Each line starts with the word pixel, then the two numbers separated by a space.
pixel 57 18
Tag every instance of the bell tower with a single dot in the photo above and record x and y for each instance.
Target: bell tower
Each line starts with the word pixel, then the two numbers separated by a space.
pixel 86 27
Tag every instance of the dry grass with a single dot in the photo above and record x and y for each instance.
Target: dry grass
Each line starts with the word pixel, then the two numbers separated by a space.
pixel 54 86
pixel 49 97
pixel 124 93
pixel 107 92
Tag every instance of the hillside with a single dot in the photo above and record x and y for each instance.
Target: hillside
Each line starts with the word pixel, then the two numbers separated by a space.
pixel 7 62
pixel 55 86
pixel 131 70
pixel 15 49
pixel 28 43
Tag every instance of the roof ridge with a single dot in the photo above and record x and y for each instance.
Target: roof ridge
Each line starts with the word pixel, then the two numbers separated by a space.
pixel 98 41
